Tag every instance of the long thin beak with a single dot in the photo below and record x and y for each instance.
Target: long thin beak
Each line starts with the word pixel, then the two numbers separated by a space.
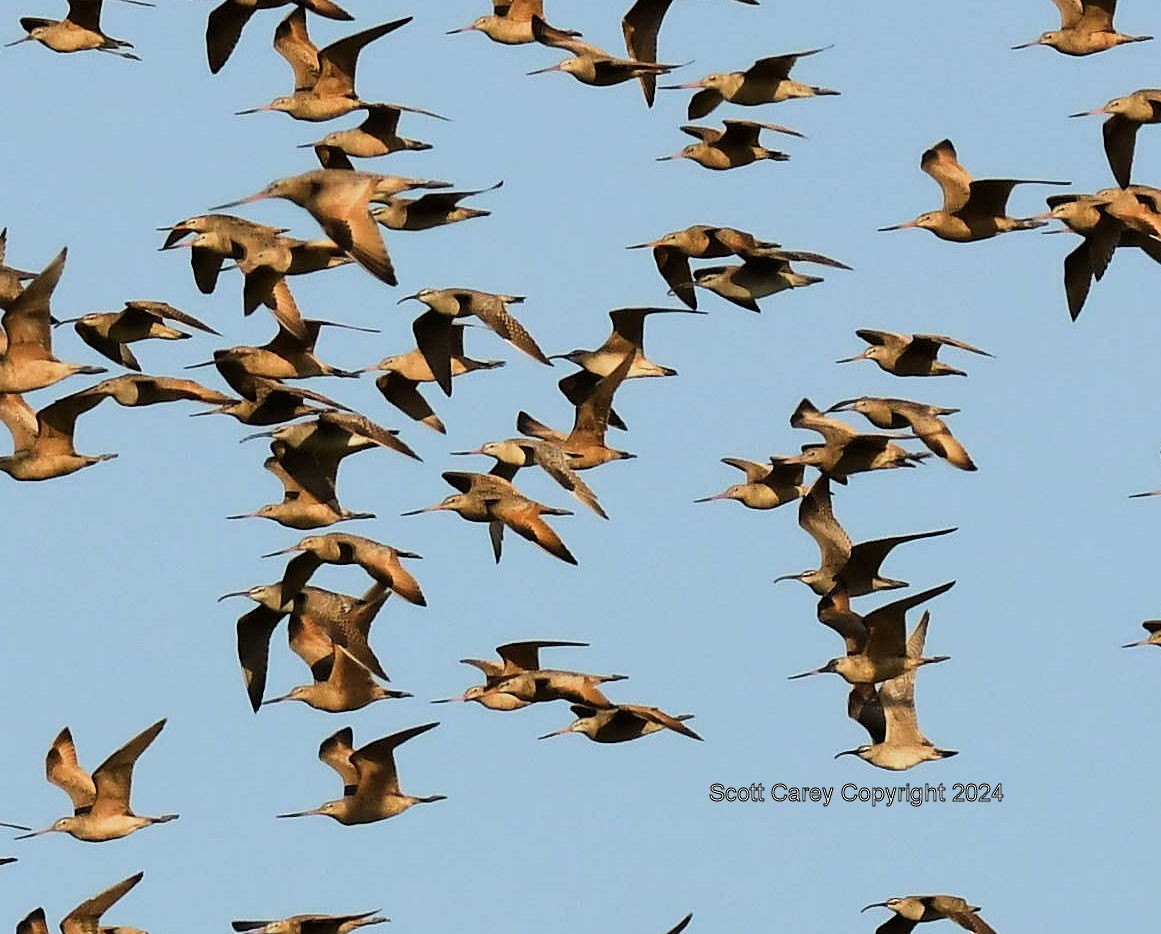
pixel 879 904
pixel 640 246
pixel 710 499
pixel 407 298
pixel 844 406
pixel 194 366
pixel 560 732
pixel 476 451
pixel 253 110
pixel 65 321
pixel 416 512
pixel 25 836
pixel 257 434
pixel 284 551
pixel 681 87
pixel 848 752
pixel 807 674
pixel 235 593
pixel 407 554
pixel 452 32
pixel 862 356
pixel 1090 113
pixel 301 813
pixel 308 145
pixel 676 155
pixel 17 42
pixel 906 226
pixel 451 700
pixel 1027 45
pixel 244 515
pixel 539 71
pixel 276 700
pixel 788 577
pixel 233 204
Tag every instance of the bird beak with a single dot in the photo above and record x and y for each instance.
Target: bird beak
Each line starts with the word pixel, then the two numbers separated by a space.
pixel 416 512
pixel 906 226
pixel 541 71
pixel 844 406
pixel 1027 45
pixel 676 155
pixel 641 246
pixel 862 356
pixel 1127 645
pixel 236 593
pixel 881 904
pixel 244 515
pixel 253 110
pixel 301 813
pixel 1090 113
pixel 476 451
pixel 849 752
pixel 451 700
pixel 276 700
pixel 681 87
pixel 284 551
pixel 257 434
pixel 233 204
pixel 407 554
pixel 560 732
pixel 806 674
pixel 57 323
pixel 407 298
pixel 17 42
pixel 788 577
pixel 194 366
pixel 468 28
pixel 37 833
pixel 710 499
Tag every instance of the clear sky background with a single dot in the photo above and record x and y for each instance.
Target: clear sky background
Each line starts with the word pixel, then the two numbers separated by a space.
pixel 110 575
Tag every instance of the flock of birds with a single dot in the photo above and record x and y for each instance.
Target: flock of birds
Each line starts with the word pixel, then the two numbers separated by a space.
pixel 310 433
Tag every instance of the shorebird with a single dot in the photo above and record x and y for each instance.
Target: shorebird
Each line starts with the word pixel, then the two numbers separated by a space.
pixel 887 713
pixel 846 451
pixel 1126 115
pixel 1151 626
pixel 333 618
pixel 972 209
pixel 27 362
pixel 515 453
pixel 86 917
pixel 285 356
pixel 432 329
pixel 767 486
pixel 854 568
pixel 585 443
pixel 42 442
pixel 379 561
pixel 310 924
pixel 910 354
pixel 1138 207
pixel 592 65
pixel 370 782
pixel 377 135
pixel 622 722
pixel 757 277
pixel 1086 27
pixel 324 79
pixel 731 148
pixel 101 808
pixel 80 31
pixel 435 209
pixel 492 499
pixel 923 420
pixel 138 389
pixel 338 199
pixel 226 22
pixel 879 651
pixel 510 22
pixel 673 251
pixel 217 237
pixel 268 401
pixel 109 333
pixel 767 81
pixel 521 677
pixel 913 909
pixel 515 657
pixel 341 684
pixel 399 384
pixel 336 433
pixel 11 280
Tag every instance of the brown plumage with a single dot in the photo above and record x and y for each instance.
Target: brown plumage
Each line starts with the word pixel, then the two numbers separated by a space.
pixel 913 909
pixel 910 354
pixel 380 561
pixel 43 441
pixel 1086 27
pixel 730 148
pixel 109 333
pixel 226 22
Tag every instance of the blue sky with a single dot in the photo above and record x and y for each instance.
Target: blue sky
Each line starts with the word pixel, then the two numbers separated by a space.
pixel 111 574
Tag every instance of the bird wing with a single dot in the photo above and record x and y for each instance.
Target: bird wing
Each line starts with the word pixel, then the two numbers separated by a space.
pixel 86 917
pixel 970 921
pixel 298 572
pixel 375 762
pixel 833 430
pixel 497 317
pixel 702 103
pixel 640 27
pixel 872 554
pixel 865 708
pixel 816 518
pixel 62 769
pixel 896 925
pixel 525 656
pixel 86 14
pixel 33 923
pixel 254 631
pixel 20 420
pixel 1097 16
pixel 223 29
pixel 560 39
pixel 56 422
pixel 592 416
pixel 1120 137
pixel 336 752
pixel 936 339
pixel 432 332
pixel 404 394
pixel 292 42
pixel 655 715
pixel 1078 275
pixel 674 268
pixel 882 338
pixel 338 60
pixel 755 473
pixel 113 777
pixel 941 163
pixel 886 626
pixel 26 321
pixel 777 67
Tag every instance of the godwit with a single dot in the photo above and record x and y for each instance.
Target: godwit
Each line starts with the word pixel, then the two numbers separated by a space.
pixel 134 390
pixel 845 451
pixel 434 209
pixel 370 782
pixel 1126 115
pixel 337 433
pixel 1151 626
pixel 267 401
pixel 756 278
pixel 285 356
pixel 879 652
pixel 731 148
pixel 42 442
pixel 433 328
pixel 767 81
pixel 109 333
pixel 854 568
pixel 515 453
pixel 972 210
pixel 86 917
pixel 28 362
pixel 924 420
pixel 622 722
pixel 341 684
pixel 492 499
pixel 400 383
pixel 591 65
pixel 1138 207
pixel 913 909
pixel 767 486
pixel 267 261
pixel 377 135
pixel 311 924
pixel 1086 26
pixel 516 657
pixel 380 561
pixel 100 802
pixel 218 237
pixel 324 80
pixel 887 713
pixel 80 31
pixel 522 677
pixel 226 22
pixel 910 354
pixel 510 22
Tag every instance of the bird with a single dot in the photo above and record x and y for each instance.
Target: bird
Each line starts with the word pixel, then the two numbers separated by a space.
pixel 434 209
pixel 767 486
pixel 767 81
pixel 1151 626
pixel 622 722
pixel 592 65
pixel 1126 115
pixel 510 22
pixel 226 22
pixel 310 924
pixel 217 237
pixel 877 647
pixel 972 209
pixel 925 421
pixel 515 657
pixel 910 354
pixel 79 31
pixel 27 361
pixel 42 442
pixel 730 148
pixel 285 356
pixel 432 329
pixel 1086 27
pixel 101 801
pixel 403 373
pixel 324 79
pixel 370 781
pixel 336 433
pixel 86 917
pixel 845 450
pixel 381 562
pixel 268 401
pixel 758 277
pixel 913 909
pixel 109 333
pixel 492 499
pixel 11 279
pixel 377 135
pixel 341 684
pixel 854 568
pixel 887 713
pixel 521 677
pixel 1138 207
